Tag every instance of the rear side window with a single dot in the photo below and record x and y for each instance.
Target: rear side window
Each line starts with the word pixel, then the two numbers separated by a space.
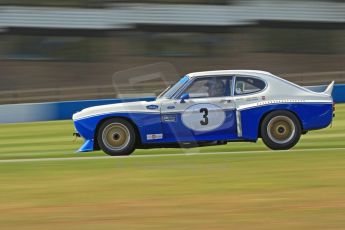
pixel 248 85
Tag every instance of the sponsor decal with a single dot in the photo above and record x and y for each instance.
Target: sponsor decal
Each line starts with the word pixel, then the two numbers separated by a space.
pixel 171 107
pixel 152 107
pixel 169 118
pixel 252 99
pixel 154 136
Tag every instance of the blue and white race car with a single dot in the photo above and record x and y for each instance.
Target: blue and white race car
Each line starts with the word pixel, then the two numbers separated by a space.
pixel 209 108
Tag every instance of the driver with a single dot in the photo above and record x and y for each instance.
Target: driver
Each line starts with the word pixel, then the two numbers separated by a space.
pixel 216 88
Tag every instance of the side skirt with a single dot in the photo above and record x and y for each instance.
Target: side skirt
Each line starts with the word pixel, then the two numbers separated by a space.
pixel 187 145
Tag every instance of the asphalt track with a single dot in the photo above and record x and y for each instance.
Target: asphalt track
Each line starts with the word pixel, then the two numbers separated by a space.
pixel 163 155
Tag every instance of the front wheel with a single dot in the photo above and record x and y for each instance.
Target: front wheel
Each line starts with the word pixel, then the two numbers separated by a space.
pixel 116 137
pixel 280 130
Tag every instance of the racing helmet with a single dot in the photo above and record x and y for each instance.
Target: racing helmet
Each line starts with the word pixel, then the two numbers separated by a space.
pixel 216 87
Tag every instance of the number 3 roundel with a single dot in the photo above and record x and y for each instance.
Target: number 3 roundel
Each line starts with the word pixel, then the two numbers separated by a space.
pixel 203 117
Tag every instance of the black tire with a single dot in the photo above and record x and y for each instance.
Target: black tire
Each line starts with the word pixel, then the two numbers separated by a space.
pixel 280 130
pixel 116 137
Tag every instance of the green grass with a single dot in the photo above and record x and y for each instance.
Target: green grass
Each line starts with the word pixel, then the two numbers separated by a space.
pixel 267 190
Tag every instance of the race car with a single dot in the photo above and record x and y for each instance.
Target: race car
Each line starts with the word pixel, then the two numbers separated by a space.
pixel 209 108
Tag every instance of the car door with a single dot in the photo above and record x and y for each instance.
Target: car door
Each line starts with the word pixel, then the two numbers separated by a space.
pixel 209 113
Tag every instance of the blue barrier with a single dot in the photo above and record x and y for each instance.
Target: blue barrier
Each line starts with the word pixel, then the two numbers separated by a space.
pixel 51 111
pixel 339 93
pixel 66 109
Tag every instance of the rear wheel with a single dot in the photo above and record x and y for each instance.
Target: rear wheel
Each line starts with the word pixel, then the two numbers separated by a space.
pixel 280 130
pixel 116 137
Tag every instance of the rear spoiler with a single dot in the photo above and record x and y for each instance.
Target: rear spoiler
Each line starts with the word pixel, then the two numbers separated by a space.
pixel 322 88
pixel 329 89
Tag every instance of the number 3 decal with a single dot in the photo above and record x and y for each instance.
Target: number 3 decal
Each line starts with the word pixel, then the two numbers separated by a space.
pixel 203 117
pixel 205 121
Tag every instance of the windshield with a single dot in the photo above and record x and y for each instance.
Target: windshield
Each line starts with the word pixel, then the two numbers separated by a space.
pixel 169 92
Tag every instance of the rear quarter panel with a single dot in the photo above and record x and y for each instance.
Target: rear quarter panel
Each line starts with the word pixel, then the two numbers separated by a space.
pixel 311 115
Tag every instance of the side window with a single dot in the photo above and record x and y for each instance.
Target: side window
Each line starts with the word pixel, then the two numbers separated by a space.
pixel 209 87
pixel 247 85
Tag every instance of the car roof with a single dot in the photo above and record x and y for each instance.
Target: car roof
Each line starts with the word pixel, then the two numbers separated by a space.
pixel 229 72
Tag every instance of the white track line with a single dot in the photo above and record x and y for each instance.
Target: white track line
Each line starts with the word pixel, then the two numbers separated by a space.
pixel 162 155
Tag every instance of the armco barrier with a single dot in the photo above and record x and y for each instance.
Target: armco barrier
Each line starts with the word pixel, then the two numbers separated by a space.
pixel 16 113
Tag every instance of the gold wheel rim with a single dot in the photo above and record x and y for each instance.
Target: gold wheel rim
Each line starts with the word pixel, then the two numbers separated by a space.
pixel 281 129
pixel 116 136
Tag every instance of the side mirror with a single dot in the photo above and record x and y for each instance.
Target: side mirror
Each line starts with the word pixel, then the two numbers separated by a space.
pixel 184 97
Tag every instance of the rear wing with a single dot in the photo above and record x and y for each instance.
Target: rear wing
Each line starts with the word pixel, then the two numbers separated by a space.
pixel 322 88
pixel 329 89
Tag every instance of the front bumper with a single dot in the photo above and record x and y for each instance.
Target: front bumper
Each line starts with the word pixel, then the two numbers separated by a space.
pixel 85 129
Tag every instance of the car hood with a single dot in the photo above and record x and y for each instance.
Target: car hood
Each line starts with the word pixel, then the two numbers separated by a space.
pixel 127 107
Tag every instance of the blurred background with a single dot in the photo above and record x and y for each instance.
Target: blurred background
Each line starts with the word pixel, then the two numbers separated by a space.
pixel 57 50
